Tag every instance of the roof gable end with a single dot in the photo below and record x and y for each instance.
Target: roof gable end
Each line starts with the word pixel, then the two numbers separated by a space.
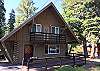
pixel 29 19
pixel 25 23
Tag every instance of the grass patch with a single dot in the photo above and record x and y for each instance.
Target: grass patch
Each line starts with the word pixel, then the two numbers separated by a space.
pixel 69 68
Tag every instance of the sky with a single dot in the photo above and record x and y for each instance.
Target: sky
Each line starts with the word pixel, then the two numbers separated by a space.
pixel 13 4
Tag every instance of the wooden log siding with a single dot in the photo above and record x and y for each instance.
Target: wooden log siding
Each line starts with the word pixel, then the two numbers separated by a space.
pixel 12 47
pixel 16 52
pixel 47 38
pixel 27 38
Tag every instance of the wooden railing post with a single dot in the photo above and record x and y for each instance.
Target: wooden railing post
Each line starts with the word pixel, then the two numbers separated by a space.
pixel 60 61
pixel 85 58
pixel 22 61
pixel 30 36
pixel 56 38
pixel 45 64
pixel 73 54
pixel 22 64
pixel 45 38
pixel 28 65
pixel 59 39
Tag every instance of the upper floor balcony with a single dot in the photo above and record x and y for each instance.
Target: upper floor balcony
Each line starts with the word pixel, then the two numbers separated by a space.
pixel 47 38
pixel 53 36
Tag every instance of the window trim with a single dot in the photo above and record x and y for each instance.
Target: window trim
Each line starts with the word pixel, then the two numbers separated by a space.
pixel 55 29
pixel 58 30
pixel 53 53
pixel 40 27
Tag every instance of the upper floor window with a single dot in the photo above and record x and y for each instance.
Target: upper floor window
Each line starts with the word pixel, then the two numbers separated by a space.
pixel 36 28
pixel 55 30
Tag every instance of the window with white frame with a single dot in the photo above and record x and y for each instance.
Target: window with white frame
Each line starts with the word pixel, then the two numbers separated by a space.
pixel 53 49
pixel 55 30
pixel 36 28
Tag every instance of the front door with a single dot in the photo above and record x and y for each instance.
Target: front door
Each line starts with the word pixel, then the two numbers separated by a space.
pixel 28 52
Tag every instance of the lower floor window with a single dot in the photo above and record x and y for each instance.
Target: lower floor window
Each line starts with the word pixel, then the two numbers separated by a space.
pixel 53 49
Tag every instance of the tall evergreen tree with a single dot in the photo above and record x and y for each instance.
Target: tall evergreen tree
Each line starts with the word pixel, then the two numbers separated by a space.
pixel 11 20
pixel 2 18
pixel 84 18
pixel 82 15
pixel 25 10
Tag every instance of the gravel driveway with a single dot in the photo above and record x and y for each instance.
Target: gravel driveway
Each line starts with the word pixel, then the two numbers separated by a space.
pixel 10 68
pixel 16 68
pixel 91 65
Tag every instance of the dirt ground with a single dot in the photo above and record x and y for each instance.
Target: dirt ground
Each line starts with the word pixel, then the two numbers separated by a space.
pixel 92 65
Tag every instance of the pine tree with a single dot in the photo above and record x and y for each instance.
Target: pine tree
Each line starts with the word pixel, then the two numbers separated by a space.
pixel 25 10
pixel 11 20
pixel 2 18
pixel 84 18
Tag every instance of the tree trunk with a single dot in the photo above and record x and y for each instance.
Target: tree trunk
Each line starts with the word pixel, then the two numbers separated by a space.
pixel 98 48
pixel 85 48
pixel 93 50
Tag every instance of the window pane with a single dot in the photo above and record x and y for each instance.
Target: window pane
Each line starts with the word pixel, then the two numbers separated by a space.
pixel 53 29
pixel 56 30
pixel 53 49
pixel 38 28
pixel 34 28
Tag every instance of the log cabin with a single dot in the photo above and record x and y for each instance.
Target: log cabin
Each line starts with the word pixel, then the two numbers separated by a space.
pixel 46 34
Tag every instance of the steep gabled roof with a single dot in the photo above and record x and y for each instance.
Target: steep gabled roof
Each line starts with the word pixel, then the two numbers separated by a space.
pixel 29 19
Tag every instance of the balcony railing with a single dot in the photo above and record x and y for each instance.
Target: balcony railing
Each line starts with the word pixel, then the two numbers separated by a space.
pixel 40 37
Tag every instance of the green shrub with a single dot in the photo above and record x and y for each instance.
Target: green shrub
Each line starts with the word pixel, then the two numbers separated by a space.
pixel 80 69
pixel 69 68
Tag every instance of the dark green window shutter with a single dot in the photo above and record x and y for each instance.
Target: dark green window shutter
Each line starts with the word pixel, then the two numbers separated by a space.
pixel 34 28
pixel 46 49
